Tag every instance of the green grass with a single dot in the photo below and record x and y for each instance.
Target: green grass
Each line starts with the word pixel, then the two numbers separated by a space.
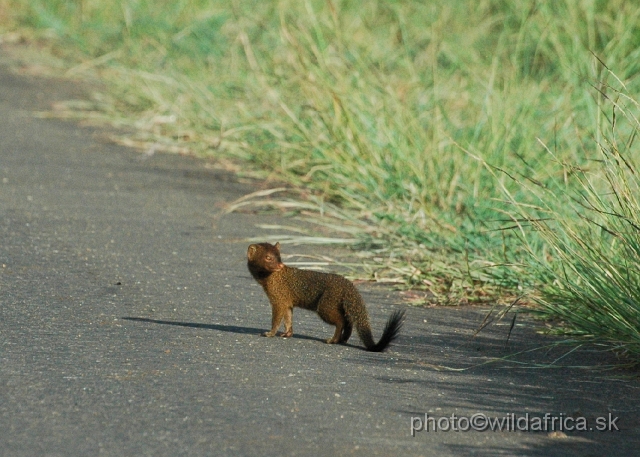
pixel 589 268
pixel 442 136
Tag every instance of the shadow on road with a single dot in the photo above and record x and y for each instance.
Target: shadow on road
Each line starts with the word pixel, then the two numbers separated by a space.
pixel 219 327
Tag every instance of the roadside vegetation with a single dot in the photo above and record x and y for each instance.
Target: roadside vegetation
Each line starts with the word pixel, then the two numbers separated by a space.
pixel 473 150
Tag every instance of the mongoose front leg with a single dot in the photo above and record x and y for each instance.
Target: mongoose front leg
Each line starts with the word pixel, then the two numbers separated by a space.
pixel 288 323
pixel 277 314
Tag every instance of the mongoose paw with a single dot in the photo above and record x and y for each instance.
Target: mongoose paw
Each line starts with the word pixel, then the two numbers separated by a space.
pixel 288 334
pixel 332 341
pixel 268 334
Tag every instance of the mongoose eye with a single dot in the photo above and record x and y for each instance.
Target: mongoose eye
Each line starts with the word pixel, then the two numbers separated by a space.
pixel 269 257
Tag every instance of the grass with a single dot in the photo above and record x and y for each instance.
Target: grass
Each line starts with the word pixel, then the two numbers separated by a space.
pixel 448 141
pixel 590 269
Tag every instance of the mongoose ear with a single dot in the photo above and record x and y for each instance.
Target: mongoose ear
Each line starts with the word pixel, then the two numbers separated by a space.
pixel 251 251
pixel 277 246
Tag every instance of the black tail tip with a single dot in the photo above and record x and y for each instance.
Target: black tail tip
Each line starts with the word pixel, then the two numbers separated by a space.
pixel 391 331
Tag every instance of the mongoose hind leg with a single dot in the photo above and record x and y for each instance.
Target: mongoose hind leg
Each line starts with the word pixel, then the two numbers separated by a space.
pixel 346 332
pixel 330 312
pixel 337 336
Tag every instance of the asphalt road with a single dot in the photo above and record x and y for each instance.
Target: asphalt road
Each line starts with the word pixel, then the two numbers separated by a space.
pixel 130 326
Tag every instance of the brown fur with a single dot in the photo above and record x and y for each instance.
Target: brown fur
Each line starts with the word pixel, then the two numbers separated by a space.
pixel 333 297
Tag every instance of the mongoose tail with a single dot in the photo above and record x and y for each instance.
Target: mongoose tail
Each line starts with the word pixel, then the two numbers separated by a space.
pixel 390 332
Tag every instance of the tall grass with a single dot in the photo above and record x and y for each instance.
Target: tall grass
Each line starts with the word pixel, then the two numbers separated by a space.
pixel 590 223
pixel 390 110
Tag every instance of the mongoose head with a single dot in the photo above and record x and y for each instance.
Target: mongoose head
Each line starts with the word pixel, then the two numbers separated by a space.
pixel 264 259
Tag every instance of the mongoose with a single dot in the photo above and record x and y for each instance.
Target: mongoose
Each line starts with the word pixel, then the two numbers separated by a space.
pixel 333 297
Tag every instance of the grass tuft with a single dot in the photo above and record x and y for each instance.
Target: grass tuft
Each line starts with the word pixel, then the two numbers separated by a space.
pixel 589 222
